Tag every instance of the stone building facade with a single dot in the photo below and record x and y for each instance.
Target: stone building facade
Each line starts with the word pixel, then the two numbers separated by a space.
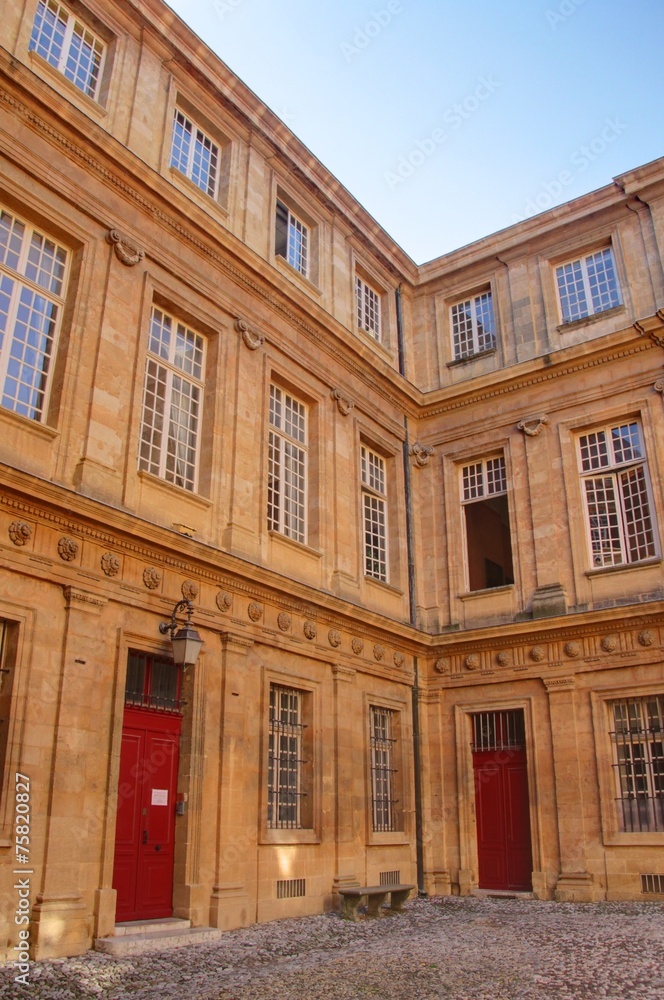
pixel 418 511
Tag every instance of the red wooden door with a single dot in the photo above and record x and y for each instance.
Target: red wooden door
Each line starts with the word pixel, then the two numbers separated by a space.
pixel 145 830
pixel 502 810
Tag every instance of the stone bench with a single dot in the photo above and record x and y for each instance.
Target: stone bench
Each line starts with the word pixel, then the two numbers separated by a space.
pixel 375 896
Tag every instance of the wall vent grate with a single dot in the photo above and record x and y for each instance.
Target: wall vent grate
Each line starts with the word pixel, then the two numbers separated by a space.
pixel 290 888
pixel 390 878
pixel 652 884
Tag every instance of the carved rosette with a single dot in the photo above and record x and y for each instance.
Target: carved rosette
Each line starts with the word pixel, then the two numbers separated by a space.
pixel 572 649
pixel 110 564
pixel 399 660
pixel 334 637
pixel 309 629
pixel 504 659
pixel 659 387
pixel 151 577
pixel 537 653
pixel 67 548
pixel 284 621
pixel 378 652
pixel 472 661
pixel 126 250
pixel 442 665
pixel 646 637
pixel 533 425
pixel 20 532
pixel 609 643
pixel 255 611
pixel 252 338
pixel 357 646
pixel 421 453
pixel 224 601
pixel 189 590
pixel 344 404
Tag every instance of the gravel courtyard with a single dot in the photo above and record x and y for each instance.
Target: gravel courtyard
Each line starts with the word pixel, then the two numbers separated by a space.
pixel 465 949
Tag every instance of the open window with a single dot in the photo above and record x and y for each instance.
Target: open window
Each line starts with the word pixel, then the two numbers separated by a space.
pixel 487 524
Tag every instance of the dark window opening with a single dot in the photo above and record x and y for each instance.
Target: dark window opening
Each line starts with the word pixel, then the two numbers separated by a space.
pixel 489 543
pixel 153 682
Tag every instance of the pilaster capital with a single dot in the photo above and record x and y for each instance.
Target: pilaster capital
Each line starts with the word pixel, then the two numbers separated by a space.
pixel 555 685
pixel 231 642
pixel 341 672
pixel 83 600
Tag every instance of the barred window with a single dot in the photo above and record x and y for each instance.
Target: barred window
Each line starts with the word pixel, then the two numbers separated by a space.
pixel 588 285
pixel 68 45
pixel 487 523
pixel 374 507
pixel 367 303
pixel 287 466
pixel 289 761
pixel 195 154
pixel 382 744
pixel 152 682
pixel 32 286
pixel 617 502
pixel 638 755
pixel 472 325
pixel 292 239
pixel 172 401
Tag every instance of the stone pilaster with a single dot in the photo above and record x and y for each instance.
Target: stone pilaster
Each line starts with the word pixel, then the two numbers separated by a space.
pixel 349 863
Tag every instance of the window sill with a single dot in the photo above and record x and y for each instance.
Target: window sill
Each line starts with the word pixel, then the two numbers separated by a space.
pixel 624 567
pixel 197 194
pixel 645 839
pixel 291 272
pixel 472 357
pixel 43 68
pixel 472 594
pixel 42 430
pixel 173 490
pixel 384 585
pixel 279 837
pixel 593 318
pixel 277 536
pixel 393 838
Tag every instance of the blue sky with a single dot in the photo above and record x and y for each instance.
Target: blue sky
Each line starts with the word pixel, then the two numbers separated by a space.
pixel 451 120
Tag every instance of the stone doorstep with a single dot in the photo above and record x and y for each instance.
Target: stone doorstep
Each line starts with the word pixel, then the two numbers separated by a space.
pixel 501 894
pixel 143 936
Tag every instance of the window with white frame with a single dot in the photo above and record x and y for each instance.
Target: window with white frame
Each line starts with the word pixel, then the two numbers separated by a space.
pixel 487 523
pixel 172 401
pixel 472 324
pixel 289 767
pixel 287 465
pixel 32 287
pixel 292 239
pixel 374 508
pixel 588 285
pixel 638 761
pixel 66 43
pixel 616 493
pixel 382 745
pixel 195 154
pixel 367 303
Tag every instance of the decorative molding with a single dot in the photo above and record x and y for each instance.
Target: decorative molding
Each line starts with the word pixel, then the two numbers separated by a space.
pixel 126 250
pixel 652 327
pixel 224 601
pixel 110 564
pixel 659 387
pixel 255 611
pixel 309 629
pixel 334 637
pixel 343 673
pixel 399 660
pixel 609 643
pixel 472 661
pixel 20 532
pixel 572 649
pixel 284 621
pixel 344 404
pixel 189 590
pixel 151 577
pixel 504 659
pixel 252 338
pixel 533 425
pixel 357 645
pixel 537 653
pixel 442 665
pixel 67 548
pixel 553 684
pixel 646 637
pixel 83 600
pixel 421 453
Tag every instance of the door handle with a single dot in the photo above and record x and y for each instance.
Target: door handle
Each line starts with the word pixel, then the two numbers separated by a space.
pixel 145 836
pixel 157 847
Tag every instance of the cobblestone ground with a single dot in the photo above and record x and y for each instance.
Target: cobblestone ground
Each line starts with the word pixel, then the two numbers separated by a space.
pixel 464 949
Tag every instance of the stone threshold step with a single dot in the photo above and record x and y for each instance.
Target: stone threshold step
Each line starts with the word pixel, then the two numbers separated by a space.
pixel 174 924
pixel 500 894
pixel 162 940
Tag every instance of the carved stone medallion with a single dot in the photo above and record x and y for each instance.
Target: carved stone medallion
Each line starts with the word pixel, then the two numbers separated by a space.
pixel 442 665
pixel 472 661
pixel 151 578
pixel 20 532
pixel 378 652
pixel 110 564
pixel 399 660
pixel 126 250
pixel 357 646
pixel 67 548
pixel 189 590
pixel 284 621
pixel 224 601
pixel 334 637
pixel 309 629
pixel 572 649
pixel 609 643
pixel 255 611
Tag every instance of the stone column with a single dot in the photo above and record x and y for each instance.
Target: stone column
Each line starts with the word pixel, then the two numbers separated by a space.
pixel 348 791
pixel 575 884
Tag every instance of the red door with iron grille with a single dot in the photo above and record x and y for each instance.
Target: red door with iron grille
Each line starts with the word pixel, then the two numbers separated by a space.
pixel 145 826
pixel 502 801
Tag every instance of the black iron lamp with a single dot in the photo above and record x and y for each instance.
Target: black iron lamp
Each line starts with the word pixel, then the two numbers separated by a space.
pixel 186 641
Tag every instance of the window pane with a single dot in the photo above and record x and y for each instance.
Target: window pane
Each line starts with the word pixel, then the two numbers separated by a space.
pixel 572 291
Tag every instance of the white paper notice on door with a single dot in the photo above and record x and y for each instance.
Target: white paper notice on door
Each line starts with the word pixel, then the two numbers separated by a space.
pixel 159 796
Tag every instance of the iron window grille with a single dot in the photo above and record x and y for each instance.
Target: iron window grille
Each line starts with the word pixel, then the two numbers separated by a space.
pixel 617 501
pixel 287 466
pixel 68 45
pixel 292 239
pixel 286 763
pixel 487 524
pixel 587 286
pixel 638 753
pixel 473 329
pixel 153 682
pixel 374 507
pixel 32 287
pixel 195 154
pixel 499 731
pixel 382 746
pixel 368 308
pixel 172 401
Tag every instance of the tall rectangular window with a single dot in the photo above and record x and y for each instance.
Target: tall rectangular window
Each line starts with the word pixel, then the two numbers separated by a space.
pixel 32 287
pixel 616 492
pixel 472 325
pixel 194 154
pixel 292 239
pixel 588 285
pixel 367 303
pixel 287 465
pixel 67 44
pixel 487 523
pixel 289 760
pixel 382 743
pixel 172 401
pixel 374 508
pixel 638 762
